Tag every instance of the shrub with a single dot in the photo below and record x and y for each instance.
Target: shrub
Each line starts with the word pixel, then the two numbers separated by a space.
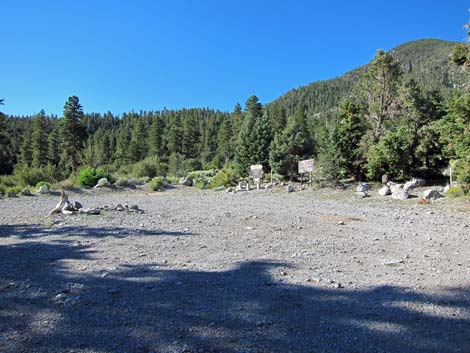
pixel 227 176
pixel 89 176
pixel 202 182
pixel 201 173
pixel 41 183
pixel 16 189
pixel 158 183
pixel 456 191
pixel 32 176
pixel 191 164
pixel 122 182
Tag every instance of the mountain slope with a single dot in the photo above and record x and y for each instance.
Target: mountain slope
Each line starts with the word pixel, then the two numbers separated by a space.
pixel 426 61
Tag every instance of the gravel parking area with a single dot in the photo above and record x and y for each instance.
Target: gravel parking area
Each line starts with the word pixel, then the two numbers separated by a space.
pixel 258 271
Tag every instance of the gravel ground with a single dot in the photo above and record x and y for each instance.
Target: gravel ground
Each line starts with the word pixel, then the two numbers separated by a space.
pixel 259 271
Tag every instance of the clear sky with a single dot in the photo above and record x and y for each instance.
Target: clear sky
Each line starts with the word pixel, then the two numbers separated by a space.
pixel 149 54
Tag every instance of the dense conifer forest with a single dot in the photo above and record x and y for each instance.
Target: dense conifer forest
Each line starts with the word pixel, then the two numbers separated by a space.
pixel 406 113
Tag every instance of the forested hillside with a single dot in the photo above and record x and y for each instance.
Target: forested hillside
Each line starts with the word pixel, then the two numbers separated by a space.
pixel 391 116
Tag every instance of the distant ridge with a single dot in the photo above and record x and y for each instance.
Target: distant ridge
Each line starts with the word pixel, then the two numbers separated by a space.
pixel 424 60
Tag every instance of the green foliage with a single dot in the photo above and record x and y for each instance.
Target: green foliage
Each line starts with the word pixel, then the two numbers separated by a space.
pixel 454 131
pixel 201 173
pixel 39 141
pixel 460 54
pixel 89 176
pixel 346 155
pixel 227 176
pixel 190 165
pixel 455 191
pixel 391 156
pixel 73 131
pixel 31 176
pixel 293 145
pixel 158 183
pixel 379 86
pixel 122 182
pixel 41 183
pixel 14 189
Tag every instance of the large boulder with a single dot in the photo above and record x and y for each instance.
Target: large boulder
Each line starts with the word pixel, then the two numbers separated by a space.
pixel 103 182
pixel 400 193
pixel 43 189
pixel 385 191
pixel 431 194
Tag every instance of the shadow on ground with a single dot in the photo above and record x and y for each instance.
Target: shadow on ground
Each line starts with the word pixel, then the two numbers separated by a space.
pixel 33 231
pixel 45 308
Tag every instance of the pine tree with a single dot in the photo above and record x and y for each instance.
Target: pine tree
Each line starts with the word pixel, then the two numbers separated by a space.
pixel 39 140
pixel 190 136
pixel 53 147
pixel 26 152
pixel 73 131
pixel 380 89
pixel 138 148
pixel 122 155
pixel 347 154
pixel 5 143
pixel 244 154
pixel 262 137
pixel 155 145
pixel 292 145
pixel 225 141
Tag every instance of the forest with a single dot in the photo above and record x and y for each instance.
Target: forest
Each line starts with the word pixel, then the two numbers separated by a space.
pixel 405 114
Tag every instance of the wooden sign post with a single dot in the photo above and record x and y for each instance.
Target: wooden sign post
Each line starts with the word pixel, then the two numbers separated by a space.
pixel 306 166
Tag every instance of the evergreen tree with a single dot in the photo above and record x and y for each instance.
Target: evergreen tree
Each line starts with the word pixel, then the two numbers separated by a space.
pixel 39 140
pixel 380 89
pixel 53 147
pixel 262 138
pixel 5 143
pixel 346 141
pixel 122 155
pixel 292 145
pixel 26 152
pixel 246 145
pixel 156 137
pixel 73 131
pixel 138 148
pixel 190 136
pixel 225 141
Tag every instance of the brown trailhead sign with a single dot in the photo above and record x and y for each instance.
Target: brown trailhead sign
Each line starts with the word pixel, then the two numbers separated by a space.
pixel 256 171
pixel 306 166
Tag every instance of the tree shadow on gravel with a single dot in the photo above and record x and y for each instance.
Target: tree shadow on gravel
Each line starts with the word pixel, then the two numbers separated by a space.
pixel 45 308
pixel 29 231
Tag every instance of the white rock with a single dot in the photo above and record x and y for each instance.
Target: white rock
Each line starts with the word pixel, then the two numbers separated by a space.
pixel 362 187
pixel 400 193
pixel 102 183
pixel 43 189
pixel 385 190
pixel 431 194
pixel 361 194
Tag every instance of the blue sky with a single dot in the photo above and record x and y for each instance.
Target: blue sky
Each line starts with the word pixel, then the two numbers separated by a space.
pixel 123 55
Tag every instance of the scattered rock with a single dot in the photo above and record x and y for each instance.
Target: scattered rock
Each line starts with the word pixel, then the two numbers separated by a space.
pixel 26 192
pixel 431 194
pixel 77 205
pixel 90 211
pixel 385 191
pixel 11 194
pixel 43 189
pixel 363 187
pixel 289 188
pixel 103 182
pixel 361 194
pixel 186 181
pixel 229 190
pixel 399 192
pixel 120 207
